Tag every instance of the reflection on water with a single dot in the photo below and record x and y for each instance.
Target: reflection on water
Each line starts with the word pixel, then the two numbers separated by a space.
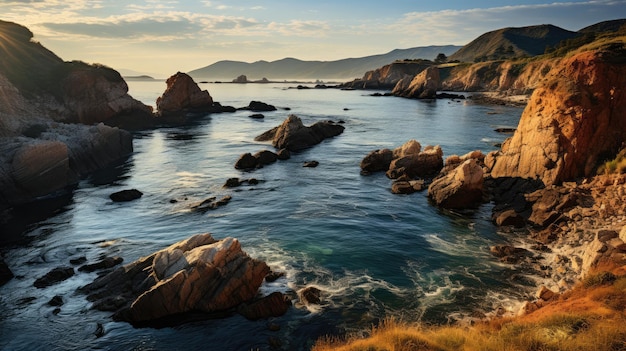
pixel 372 253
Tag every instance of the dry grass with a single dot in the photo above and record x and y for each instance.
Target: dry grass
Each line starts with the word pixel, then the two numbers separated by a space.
pixel 590 317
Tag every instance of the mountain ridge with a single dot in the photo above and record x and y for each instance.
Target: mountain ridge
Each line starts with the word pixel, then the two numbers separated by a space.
pixel 290 67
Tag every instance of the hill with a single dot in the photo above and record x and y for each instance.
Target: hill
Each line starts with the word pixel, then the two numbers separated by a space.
pixel 508 43
pixel 606 26
pixel 291 68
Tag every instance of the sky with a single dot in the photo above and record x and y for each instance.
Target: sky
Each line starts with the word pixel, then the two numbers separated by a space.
pixel 161 37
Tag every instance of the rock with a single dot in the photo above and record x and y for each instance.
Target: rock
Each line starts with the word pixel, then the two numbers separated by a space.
pixel 257 116
pixel 246 162
pixel 41 168
pixel 283 154
pixel 199 274
pixel 53 277
pixel 274 305
pixel 546 294
pixel 183 95
pixel 509 254
pixel 509 218
pixel 410 148
pixel 571 122
pixel 606 235
pixel 56 301
pixel 294 136
pixel 78 260
pixel 388 76
pixel 241 79
pixel 407 187
pixel 126 195
pixel 258 106
pixel 232 183
pixel 5 273
pixel 211 203
pixel 461 188
pixel 376 161
pixel 106 263
pixel 422 86
pixel 274 276
pixel 265 157
pixel 424 164
pixel 311 164
pixel 310 295
pixel 622 234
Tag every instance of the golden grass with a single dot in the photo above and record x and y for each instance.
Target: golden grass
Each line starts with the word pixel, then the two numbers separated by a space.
pixel 590 317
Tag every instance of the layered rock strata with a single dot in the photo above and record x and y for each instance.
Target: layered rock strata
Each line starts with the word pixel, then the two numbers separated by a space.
pixel 571 122
pixel 199 274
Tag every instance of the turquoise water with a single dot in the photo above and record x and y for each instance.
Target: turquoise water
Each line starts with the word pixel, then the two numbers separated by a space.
pixel 373 253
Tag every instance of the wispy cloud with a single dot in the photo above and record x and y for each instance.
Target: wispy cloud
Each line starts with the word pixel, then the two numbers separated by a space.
pixel 461 26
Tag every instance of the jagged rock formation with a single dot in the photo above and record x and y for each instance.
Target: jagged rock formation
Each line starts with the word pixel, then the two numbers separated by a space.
pixel 183 95
pixel 388 76
pixel 422 86
pixel 571 121
pixel 199 274
pixel 293 135
pixel 459 189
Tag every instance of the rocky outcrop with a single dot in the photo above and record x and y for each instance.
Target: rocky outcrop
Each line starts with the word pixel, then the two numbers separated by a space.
pixel 183 95
pixel 293 135
pixel 199 274
pixel 409 165
pixel 416 163
pixel 94 94
pixel 422 86
pixel 459 189
pixel 126 195
pixel 61 154
pixel 388 76
pixel 571 121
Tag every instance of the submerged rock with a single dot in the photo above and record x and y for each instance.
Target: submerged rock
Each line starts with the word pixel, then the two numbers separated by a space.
pixel 126 195
pixel 53 277
pixel 199 274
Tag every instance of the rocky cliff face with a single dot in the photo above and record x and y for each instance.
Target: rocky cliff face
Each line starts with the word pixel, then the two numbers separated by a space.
pixel 37 91
pixel 423 86
pixel 573 120
pixel 388 76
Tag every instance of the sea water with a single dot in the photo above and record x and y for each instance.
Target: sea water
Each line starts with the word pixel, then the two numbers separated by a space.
pixel 373 254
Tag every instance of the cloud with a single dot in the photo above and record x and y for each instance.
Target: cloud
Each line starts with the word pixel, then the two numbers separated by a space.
pixel 462 26
pixel 300 28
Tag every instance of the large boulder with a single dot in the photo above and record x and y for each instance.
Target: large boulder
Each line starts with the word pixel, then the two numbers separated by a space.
pixel 422 86
pixel 571 122
pixel 183 95
pixel 459 189
pixel 60 156
pixel 293 135
pixel 199 274
pixel 376 161
pixel 426 163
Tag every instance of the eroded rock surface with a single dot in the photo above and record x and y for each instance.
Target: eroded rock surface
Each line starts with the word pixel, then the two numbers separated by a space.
pixel 293 135
pixel 199 274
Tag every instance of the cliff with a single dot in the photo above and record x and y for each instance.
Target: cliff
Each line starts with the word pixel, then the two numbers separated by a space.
pixel 389 75
pixel 50 112
pixel 574 120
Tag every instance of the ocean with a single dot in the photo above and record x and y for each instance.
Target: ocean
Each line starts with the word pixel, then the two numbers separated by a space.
pixel 374 254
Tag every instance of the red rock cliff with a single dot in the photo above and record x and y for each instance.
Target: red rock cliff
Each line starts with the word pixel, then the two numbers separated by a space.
pixel 573 119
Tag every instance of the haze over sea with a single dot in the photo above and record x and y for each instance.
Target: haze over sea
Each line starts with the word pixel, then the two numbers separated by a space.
pixel 372 253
